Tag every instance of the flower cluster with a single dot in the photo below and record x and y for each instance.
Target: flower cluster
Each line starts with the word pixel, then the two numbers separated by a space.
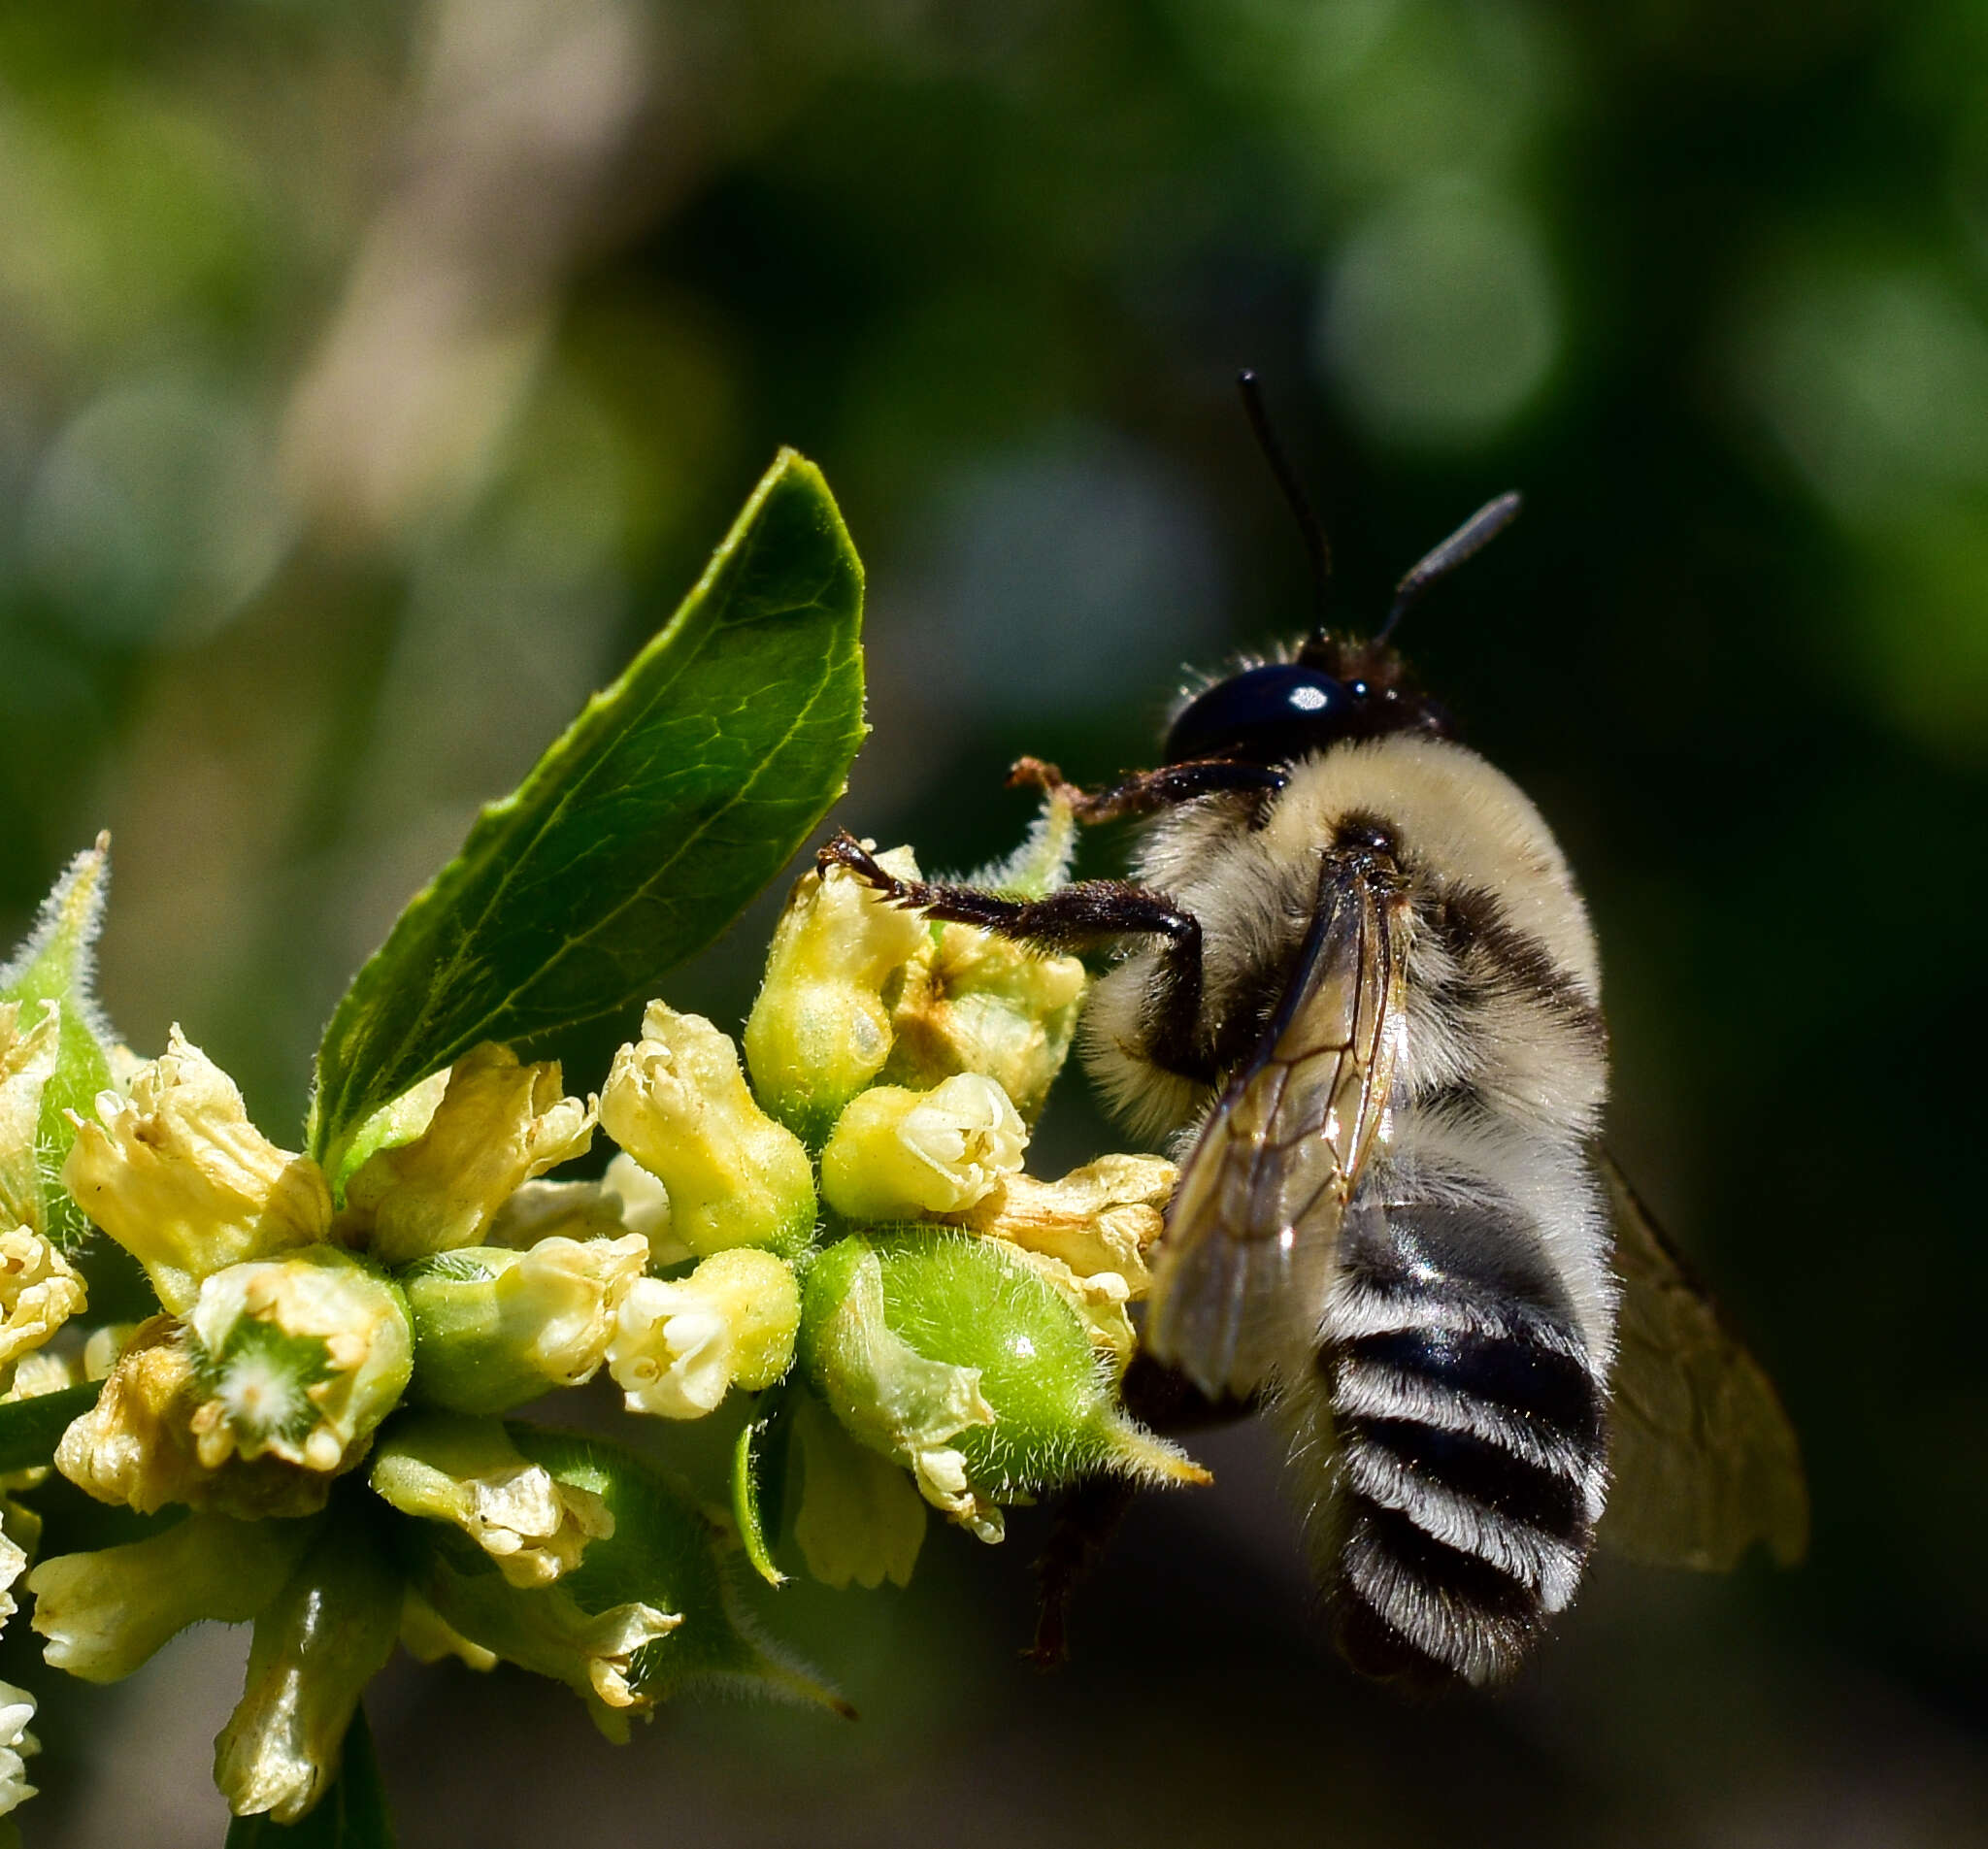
pixel 830 1228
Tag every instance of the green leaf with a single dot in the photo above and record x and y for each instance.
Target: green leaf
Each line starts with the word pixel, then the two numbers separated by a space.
pixel 351 1815
pixel 760 1441
pixel 56 964
pixel 673 798
pixel 31 1429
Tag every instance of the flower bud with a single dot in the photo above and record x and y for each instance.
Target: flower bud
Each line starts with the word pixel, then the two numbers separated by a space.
pixel 49 978
pixel 676 1101
pixel 821 1030
pixel 648 1610
pixel 980 1003
pixel 299 1358
pixel 445 1468
pixel 899 1155
pixel 38 1291
pixel 860 1521
pixel 498 1124
pixel 324 1635
pixel 108 1612
pixel 678 1347
pixel 929 1305
pixel 180 1179
pixel 494 1328
pixel 900 1402
pixel 27 1058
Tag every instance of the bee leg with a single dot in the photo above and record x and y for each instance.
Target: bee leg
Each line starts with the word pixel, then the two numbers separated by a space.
pixel 1087 1516
pixel 1145 791
pixel 1075 917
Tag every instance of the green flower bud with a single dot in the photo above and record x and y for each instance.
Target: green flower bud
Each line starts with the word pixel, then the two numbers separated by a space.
pixel 860 1521
pixel 902 1404
pixel 648 1611
pixel 447 1467
pixel 494 1328
pixel 299 1358
pixel 325 1634
pixel 925 1306
pixel 899 1155
pixel 106 1613
pixel 498 1124
pixel 678 1347
pixel 1087 1235
pixel 180 1178
pixel 49 976
pixel 676 1101
pixel 821 1030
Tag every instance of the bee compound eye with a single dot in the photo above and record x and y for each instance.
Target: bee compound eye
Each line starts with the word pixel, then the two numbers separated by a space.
pixel 1263 716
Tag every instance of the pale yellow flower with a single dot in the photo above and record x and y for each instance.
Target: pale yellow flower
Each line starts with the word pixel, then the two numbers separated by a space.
pixel 498 1124
pixel 465 1471
pixel 676 1101
pixel 1103 1219
pixel 180 1178
pixel 297 1358
pixel 901 1155
pixel 17 1710
pixel 679 1347
pixel 38 1291
pixel 979 1003
pixel 820 1029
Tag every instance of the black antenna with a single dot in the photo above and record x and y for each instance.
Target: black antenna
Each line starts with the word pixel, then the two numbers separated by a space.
pixel 1476 533
pixel 1315 547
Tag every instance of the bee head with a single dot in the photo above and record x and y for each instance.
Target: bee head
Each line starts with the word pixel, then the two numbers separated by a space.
pixel 1333 687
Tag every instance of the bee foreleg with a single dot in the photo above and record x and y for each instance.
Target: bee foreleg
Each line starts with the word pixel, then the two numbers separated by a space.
pixel 1147 791
pixel 1075 917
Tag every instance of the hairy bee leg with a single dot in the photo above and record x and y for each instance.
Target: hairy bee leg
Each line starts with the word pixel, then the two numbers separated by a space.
pixel 1145 792
pixel 1076 918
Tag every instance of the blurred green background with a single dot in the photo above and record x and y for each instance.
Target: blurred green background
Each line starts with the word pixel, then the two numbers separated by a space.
pixel 374 375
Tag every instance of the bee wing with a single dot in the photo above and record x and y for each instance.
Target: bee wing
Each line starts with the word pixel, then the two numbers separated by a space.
pixel 1704 1458
pixel 1248 1251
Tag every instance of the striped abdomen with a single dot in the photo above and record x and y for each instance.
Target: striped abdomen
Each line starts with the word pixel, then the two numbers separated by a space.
pixel 1464 1423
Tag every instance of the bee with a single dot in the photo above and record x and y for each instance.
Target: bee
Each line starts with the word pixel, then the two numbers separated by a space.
pixel 1357 983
